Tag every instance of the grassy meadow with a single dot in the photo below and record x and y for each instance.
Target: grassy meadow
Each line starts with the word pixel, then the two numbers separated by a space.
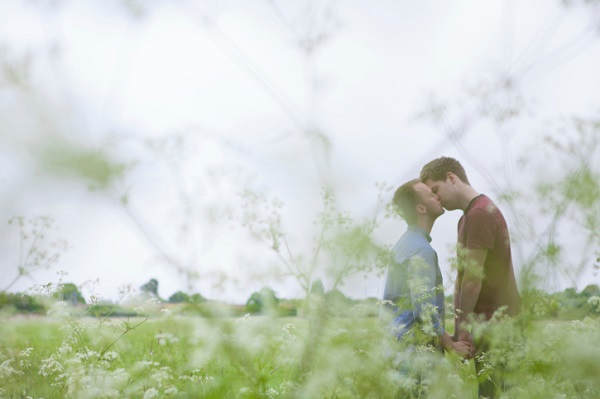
pixel 318 356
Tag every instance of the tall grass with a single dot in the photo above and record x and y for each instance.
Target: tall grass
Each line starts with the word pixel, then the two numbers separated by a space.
pixel 265 357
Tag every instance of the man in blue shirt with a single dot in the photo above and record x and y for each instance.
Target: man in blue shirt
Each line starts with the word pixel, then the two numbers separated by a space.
pixel 414 288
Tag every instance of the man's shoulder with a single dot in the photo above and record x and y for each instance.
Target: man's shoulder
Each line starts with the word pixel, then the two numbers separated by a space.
pixel 484 205
pixel 410 245
pixel 484 216
pixel 413 239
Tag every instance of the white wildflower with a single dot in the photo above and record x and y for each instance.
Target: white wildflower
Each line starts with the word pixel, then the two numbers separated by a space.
pixel 24 358
pixel 166 338
pixel 113 323
pixel 6 370
pixel 287 330
pixel 125 290
pixel 288 386
pixel 166 311
pixel 120 376
pixel 486 369
pixel 161 375
pixel 84 356
pixel 25 352
pixel 73 361
pixel 144 364
pixel 338 332
pixel 153 301
pixel 50 366
pixel 197 376
pixel 110 356
pixel 244 318
pixel 594 303
pixel 65 348
pixel 150 393
pixel 59 381
pixel 577 325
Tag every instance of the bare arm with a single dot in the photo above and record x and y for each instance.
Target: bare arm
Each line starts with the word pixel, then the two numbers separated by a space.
pixel 470 286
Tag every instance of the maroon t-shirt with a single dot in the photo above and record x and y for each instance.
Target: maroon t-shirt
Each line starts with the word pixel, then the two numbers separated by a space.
pixel 483 226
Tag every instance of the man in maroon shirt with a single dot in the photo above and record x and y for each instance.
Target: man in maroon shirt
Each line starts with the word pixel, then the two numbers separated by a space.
pixel 486 281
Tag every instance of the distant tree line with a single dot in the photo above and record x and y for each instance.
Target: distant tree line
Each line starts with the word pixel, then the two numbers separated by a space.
pixel 566 305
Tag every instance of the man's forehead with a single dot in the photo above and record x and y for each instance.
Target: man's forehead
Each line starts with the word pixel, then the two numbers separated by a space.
pixel 422 187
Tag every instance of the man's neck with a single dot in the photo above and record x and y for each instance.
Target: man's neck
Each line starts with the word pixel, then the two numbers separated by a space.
pixel 467 195
pixel 425 223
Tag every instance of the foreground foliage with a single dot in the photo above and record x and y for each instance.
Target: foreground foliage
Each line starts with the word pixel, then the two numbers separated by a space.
pixel 266 357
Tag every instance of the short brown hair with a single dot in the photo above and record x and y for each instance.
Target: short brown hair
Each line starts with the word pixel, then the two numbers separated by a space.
pixel 405 201
pixel 438 169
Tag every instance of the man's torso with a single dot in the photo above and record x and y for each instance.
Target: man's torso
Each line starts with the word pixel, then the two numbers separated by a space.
pixel 484 226
pixel 413 246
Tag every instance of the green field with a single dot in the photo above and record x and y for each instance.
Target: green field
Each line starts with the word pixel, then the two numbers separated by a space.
pixel 265 357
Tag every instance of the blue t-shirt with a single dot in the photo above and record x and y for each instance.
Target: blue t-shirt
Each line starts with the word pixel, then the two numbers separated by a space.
pixel 414 285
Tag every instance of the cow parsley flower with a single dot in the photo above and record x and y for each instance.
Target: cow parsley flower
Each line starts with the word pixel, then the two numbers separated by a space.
pixel 594 303
pixel 151 393
pixel 50 366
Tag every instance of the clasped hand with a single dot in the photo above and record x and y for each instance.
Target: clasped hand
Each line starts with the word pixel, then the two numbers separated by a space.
pixel 463 344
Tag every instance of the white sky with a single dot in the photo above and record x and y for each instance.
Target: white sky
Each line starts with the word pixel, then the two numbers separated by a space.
pixel 238 91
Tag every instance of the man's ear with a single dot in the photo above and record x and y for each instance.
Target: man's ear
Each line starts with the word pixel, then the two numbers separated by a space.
pixel 452 177
pixel 421 209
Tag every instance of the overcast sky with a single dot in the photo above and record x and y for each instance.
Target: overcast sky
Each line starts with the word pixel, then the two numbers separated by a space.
pixel 203 99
